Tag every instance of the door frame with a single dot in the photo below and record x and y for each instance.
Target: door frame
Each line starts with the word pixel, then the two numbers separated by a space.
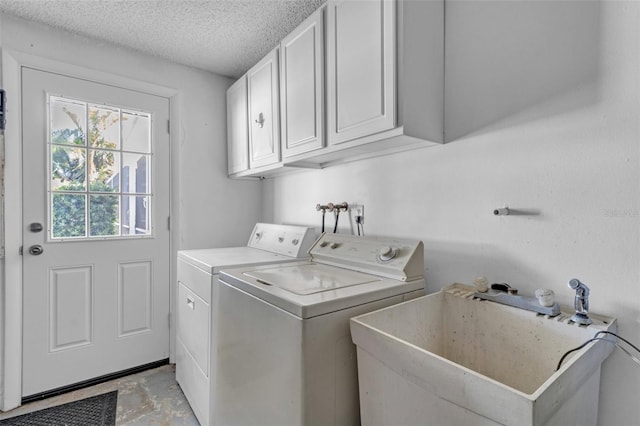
pixel 11 308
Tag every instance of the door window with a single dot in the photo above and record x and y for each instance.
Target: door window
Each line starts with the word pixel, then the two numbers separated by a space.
pixel 99 171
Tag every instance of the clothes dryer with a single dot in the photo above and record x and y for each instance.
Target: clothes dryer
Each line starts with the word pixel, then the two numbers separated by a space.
pixel 284 349
pixel 197 302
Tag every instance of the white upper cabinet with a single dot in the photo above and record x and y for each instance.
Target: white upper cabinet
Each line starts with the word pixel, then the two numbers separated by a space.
pixel 302 87
pixel 264 124
pixel 237 128
pixel 385 79
pixel 357 79
pixel 361 60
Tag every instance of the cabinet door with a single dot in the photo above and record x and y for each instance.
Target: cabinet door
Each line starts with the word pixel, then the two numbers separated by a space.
pixel 302 87
pixel 264 124
pixel 361 55
pixel 237 127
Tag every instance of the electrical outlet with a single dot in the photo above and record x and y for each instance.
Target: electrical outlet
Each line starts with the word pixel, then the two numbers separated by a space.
pixel 359 216
pixel 356 214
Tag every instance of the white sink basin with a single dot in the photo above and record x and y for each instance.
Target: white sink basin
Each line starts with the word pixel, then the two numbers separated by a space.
pixel 449 359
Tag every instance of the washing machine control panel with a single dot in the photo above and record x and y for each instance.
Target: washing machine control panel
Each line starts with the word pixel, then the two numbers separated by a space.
pixel 288 240
pixel 390 257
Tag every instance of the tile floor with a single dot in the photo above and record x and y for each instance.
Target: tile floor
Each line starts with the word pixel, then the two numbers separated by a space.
pixel 150 398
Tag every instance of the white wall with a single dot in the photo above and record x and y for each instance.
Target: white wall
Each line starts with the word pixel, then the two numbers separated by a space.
pixel 543 115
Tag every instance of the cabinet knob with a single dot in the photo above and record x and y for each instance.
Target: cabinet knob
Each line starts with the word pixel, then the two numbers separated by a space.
pixel 260 120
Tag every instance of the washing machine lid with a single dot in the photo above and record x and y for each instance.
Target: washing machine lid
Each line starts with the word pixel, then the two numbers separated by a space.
pixel 214 260
pixel 310 278
pixel 309 289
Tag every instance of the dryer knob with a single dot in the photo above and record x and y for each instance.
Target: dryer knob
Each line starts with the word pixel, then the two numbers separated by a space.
pixel 334 245
pixel 295 241
pixel 387 253
pixel 324 244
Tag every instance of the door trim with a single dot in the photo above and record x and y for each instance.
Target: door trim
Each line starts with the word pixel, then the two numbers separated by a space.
pixel 12 63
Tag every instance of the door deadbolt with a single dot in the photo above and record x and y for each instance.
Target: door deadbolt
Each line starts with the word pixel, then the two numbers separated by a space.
pixel 36 250
pixel 35 227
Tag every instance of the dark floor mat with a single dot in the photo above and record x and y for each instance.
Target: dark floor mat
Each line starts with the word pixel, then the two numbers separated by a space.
pixel 99 410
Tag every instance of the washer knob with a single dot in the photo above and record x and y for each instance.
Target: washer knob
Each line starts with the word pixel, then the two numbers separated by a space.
pixel 295 241
pixel 334 245
pixel 387 253
pixel 324 244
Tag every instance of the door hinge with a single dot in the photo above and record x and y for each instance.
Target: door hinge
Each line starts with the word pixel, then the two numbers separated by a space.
pixel 168 126
pixel 169 319
pixel 169 223
pixel 3 109
pixel 20 250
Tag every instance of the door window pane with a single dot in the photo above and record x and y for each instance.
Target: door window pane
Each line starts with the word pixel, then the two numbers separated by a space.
pixel 104 215
pixel 105 180
pixel 68 219
pixel 103 167
pixel 104 127
pixel 135 215
pixel 68 168
pixel 136 132
pixel 137 171
pixel 67 120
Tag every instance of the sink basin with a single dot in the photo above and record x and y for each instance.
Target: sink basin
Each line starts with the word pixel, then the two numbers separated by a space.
pixel 450 359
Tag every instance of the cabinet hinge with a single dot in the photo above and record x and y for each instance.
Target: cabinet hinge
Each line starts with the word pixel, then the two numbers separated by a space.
pixel 169 223
pixel 168 126
pixel 169 319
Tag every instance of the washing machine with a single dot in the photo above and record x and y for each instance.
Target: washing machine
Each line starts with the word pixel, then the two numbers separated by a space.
pixel 197 302
pixel 284 349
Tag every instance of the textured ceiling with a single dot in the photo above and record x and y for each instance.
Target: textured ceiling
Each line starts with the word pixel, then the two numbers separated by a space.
pixel 223 36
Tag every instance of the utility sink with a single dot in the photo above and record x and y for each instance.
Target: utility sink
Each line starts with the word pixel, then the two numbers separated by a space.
pixel 450 359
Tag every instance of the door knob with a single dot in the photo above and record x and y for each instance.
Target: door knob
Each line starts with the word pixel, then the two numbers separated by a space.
pixel 36 250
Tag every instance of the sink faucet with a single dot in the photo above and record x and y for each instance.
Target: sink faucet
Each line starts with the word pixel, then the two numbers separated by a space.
pixel 507 295
pixel 581 302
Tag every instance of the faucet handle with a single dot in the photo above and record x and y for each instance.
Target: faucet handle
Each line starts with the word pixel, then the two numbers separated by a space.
pixel 480 284
pixel 501 287
pixel 545 297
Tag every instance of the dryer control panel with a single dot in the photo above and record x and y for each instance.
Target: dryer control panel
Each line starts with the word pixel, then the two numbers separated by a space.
pixel 289 240
pixel 396 258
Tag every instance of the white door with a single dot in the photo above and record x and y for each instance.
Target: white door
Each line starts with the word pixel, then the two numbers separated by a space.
pixel 95 230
